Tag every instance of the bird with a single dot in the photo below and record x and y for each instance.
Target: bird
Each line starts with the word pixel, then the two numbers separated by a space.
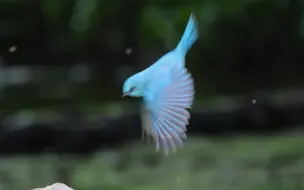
pixel 166 89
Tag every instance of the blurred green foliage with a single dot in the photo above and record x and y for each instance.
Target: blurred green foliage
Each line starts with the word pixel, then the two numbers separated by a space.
pixel 252 163
pixel 243 46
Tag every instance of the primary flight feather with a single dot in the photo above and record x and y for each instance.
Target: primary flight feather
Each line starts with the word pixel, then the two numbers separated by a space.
pixel 167 90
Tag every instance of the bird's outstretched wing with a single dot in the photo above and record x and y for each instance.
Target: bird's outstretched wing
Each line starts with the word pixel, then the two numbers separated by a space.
pixel 164 117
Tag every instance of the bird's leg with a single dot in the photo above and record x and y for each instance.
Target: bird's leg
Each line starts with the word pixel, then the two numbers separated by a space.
pixel 148 139
pixel 144 135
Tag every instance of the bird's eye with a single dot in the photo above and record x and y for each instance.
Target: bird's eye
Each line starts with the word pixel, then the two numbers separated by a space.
pixel 132 88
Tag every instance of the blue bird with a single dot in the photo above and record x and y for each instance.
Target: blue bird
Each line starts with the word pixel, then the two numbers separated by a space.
pixel 167 90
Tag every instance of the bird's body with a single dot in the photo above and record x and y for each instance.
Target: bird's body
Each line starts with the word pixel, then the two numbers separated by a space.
pixel 167 90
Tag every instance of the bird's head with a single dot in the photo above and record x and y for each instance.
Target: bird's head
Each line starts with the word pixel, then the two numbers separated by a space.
pixel 133 86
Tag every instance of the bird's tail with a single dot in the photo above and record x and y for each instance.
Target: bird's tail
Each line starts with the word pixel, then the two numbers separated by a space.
pixel 189 37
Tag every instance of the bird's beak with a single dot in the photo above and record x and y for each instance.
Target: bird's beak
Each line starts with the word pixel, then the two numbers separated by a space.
pixel 125 94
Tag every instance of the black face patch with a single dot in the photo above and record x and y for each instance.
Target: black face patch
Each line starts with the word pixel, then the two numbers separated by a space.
pixel 132 89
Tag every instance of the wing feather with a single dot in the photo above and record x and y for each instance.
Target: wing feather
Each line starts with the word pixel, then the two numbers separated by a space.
pixel 166 117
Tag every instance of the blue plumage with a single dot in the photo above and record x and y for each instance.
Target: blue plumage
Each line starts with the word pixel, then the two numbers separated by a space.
pixel 167 90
